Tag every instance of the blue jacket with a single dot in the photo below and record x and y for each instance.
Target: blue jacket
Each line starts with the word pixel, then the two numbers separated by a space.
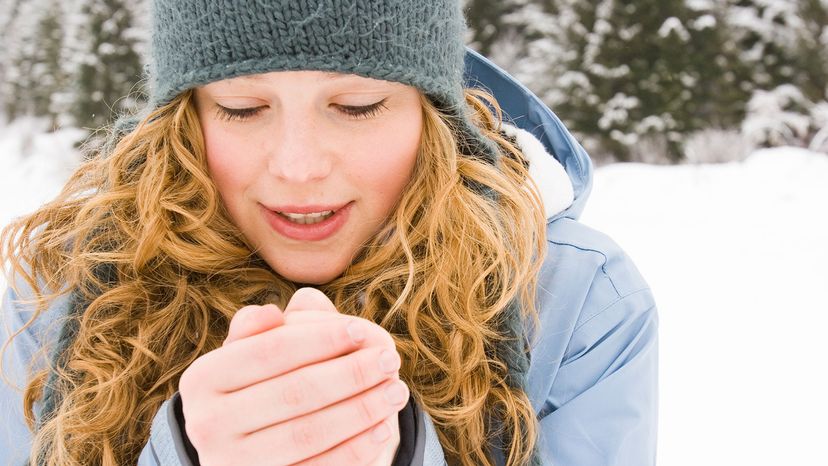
pixel 593 372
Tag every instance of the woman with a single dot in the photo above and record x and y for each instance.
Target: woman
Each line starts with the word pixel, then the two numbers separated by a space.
pixel 315 247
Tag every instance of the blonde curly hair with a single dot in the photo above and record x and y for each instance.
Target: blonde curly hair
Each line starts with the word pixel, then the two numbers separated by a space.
pixel 140 237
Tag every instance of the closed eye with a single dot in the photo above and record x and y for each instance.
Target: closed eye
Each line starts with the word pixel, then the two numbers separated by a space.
pixel 366 111
pixel 241 114
pixel 357 112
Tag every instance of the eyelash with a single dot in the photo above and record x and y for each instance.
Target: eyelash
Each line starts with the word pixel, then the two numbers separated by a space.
pixel 241 114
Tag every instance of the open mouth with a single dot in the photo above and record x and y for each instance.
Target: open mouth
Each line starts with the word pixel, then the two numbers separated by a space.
pixel 307 219
pixel 310 223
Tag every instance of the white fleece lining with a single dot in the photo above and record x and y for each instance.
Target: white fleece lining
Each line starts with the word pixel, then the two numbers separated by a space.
pixel 549 175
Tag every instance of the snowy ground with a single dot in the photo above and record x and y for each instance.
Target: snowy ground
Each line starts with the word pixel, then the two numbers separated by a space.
pixel 736 255
pixel 33 165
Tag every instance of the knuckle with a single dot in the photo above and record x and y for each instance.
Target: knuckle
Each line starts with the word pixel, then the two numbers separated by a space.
pixel 306 433
pixel 352 453
pixel 203 418
pixel 364 410
pixel 240 314
pixel 270 346
pixel 185 384
pixel 201 428
pixel 359 373
pixel 382 333
pixel 295 394
pixel 334 338
pixel 188 383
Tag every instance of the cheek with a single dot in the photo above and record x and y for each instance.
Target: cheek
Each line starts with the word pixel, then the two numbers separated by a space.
pixel 224 163
pixel 390 159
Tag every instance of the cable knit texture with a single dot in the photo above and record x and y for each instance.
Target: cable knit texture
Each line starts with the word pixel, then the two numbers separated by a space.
pixel 414 42
pixel 419 43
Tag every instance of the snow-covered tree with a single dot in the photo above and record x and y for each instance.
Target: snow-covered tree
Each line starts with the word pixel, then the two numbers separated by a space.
pixel 31 71
pixel 783 47
pixel 71 60
pixel 626 77
pixel 646 73
pixel 103 60
pixel 766 33
pixel 812 56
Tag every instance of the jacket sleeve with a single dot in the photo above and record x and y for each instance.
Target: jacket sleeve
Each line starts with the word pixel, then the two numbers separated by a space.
pixel 15 438
pixel 603 404
pixel 605 392
pixel 165 447
pixel 168 445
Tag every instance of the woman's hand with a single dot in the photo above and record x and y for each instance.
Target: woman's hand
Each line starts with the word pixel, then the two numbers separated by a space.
pixel 316 306
pixel 308 386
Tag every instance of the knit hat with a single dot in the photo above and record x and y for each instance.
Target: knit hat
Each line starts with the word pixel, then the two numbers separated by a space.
pixel 418 43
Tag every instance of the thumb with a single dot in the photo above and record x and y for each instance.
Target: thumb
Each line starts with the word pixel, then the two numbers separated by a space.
pixel 252 320
pixel 309 299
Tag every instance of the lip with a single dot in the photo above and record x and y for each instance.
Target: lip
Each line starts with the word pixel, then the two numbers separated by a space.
pixel 305 209
pixel 313 232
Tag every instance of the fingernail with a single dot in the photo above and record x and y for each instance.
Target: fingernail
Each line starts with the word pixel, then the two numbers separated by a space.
pixel 356 332
pixel 396 393
pixel 389 362
pixel 380 433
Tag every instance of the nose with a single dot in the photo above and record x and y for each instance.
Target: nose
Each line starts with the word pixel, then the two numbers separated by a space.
pixel 298 153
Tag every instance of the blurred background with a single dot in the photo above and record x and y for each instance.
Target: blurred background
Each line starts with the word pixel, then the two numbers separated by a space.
pixel 708 124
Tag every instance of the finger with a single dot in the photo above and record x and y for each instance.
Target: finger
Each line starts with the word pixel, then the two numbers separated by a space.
pixel 379 337
pixel 253 320
pixel 277 351
pixel 364 448
pixel 309 299
pixel 310 388
pixel 306 317
pixel 318 432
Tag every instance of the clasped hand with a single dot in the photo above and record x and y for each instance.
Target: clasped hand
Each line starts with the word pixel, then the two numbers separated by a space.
pixel 305 386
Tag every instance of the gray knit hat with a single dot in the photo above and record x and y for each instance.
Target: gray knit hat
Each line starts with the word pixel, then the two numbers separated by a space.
pixel 415 42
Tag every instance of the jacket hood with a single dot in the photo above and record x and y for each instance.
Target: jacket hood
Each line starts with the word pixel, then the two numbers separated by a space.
pixel 527 115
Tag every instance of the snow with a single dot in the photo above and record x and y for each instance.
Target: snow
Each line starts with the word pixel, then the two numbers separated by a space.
pixel 704 22
pixel 33 165
pixel 673 25
pixel 777 116
pixel 735 254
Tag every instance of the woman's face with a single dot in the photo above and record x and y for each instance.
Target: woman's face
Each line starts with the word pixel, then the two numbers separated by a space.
pixel 309 164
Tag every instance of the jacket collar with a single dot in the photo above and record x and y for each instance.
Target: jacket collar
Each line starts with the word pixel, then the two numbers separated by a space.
pixel 548 174
pixel 524 110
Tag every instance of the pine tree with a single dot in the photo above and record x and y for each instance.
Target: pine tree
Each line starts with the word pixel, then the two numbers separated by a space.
pixel 486 22
pixel 646 74
pixel 23 56
pixel 8 11
pixel 811 59
pixel 105 63
pixel 47 78
pixel 765 33
pixel 782 47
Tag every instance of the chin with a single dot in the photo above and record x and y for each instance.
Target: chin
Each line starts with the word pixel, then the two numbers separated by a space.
pixel 309 276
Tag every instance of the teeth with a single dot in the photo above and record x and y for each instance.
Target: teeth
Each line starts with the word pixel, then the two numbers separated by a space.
pixel 307 219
